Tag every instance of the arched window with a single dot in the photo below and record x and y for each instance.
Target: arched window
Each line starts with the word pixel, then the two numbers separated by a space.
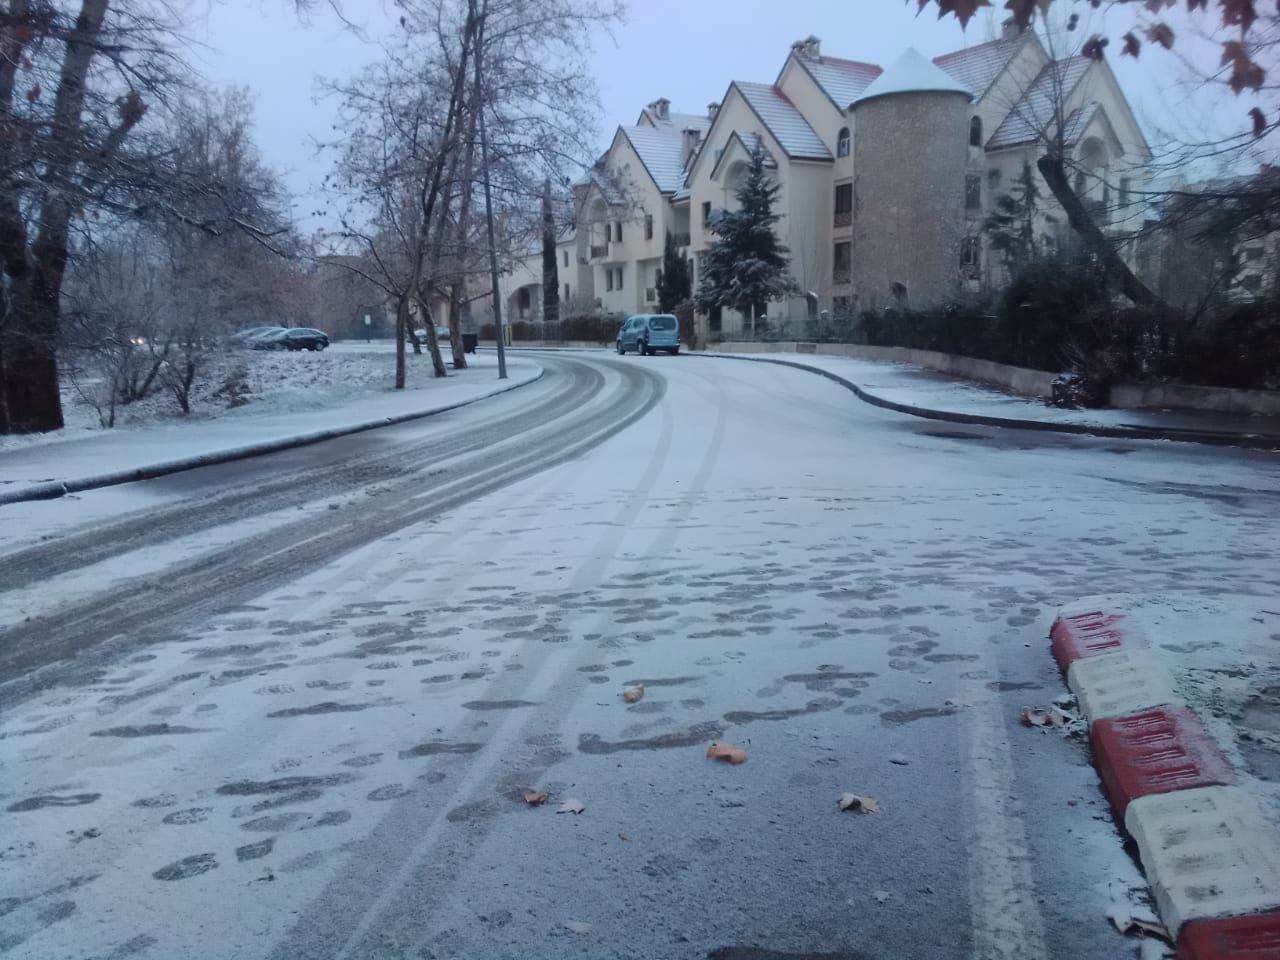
pixel 523 302
pixel 975 132
pixel 842 142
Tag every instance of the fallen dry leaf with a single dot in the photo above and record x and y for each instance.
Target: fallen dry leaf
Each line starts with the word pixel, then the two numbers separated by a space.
pixel 535 798
pixel 633 694
pixel 1128 925
pixel 1053 717
pixel 625 836
pixel 571 806
pixel 851 801
pixel 726 752
pixel 578 927
pixel 881 896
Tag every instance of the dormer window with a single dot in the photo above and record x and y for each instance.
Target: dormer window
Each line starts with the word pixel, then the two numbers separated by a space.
pixel 975 132
pixel 842 142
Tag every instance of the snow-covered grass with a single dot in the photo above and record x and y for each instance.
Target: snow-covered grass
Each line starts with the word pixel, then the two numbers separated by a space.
pixel 278 382
pixel 293 395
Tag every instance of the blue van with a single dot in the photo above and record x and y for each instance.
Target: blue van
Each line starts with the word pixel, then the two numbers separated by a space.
pixel 648 333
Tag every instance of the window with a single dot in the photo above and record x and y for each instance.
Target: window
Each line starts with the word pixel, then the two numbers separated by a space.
pixel 706 214
pixel 970 253
pixel 972 193
pixel 566 258
pixel 608 278
pixel 840 306
pixel 975 132
pixel 523 302
pixel 566 292
pixel 617 284
pixel 842 142
pixel 1125 183
pixel 657 276
pixel 648 226
pixel 617 231
pixel 844 204
pixel 842 262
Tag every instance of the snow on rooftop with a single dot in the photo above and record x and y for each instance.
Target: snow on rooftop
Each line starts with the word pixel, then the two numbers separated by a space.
pixel 913 73
pixel 785 122
pixel 977 67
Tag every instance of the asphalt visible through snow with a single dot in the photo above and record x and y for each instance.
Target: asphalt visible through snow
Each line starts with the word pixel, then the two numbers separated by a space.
pixel 289 707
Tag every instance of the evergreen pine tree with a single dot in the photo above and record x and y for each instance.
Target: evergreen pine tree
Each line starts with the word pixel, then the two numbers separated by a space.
pixel 676 286
pixel 746 266
pixel 1011 226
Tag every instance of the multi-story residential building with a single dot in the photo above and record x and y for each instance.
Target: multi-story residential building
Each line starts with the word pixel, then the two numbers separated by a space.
pixel 886 175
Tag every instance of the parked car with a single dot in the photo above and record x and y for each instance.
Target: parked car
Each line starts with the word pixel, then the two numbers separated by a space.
pixel 648 333
pixel 303 338
pixel 268 339
pixel 243 338
pixel 442 334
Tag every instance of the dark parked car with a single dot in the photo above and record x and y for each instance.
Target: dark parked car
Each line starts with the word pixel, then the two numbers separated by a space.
pixel 246 337
pixel 303 338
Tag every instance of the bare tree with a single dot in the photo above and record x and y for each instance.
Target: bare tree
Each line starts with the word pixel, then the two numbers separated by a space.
pixel 408 164
pixel 85 88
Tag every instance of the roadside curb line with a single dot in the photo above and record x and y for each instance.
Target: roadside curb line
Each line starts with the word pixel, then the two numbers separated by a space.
pixel 1210 853
pixel 52 490
pixel 1256 441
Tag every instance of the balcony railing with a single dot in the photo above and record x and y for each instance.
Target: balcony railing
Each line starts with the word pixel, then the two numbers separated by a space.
pixel 681 239
pixel 841 275
pixel 599 252
pixel 843 218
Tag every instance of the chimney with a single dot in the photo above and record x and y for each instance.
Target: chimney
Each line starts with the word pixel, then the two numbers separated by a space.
pixel 661 108
pixel 1009 30
pixel 712 109
pixel 689 140
pixel 810 48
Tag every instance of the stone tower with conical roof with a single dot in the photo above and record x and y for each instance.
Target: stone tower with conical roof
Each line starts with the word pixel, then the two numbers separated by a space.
pixel 910 150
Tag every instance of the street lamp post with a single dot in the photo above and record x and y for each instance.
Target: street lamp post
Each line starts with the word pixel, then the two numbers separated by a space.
pixel 488 206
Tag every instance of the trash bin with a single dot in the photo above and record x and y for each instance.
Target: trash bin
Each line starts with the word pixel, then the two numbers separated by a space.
pixel 469 342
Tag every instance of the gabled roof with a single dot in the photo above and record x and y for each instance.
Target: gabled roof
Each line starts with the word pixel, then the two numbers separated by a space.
pixel 787 125
pixel 678 121
pixel 1034 111
pixel 912 73
pixel 659 149
pixel 1078 121
pixel 977 68
pixel 603 181
pixel 750 143
pixel 841 80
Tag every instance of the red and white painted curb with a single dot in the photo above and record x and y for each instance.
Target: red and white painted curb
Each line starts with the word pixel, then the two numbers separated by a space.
pixel 1211 855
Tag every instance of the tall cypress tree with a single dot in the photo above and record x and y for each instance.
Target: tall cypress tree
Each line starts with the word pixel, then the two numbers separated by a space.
pixel 746 265
pixel 550 269
pixel 676 286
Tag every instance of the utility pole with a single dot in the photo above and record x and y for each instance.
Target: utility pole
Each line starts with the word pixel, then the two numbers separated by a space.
pixel 488 203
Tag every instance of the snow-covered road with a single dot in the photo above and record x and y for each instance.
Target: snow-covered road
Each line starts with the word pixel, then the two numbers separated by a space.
pixel 288 708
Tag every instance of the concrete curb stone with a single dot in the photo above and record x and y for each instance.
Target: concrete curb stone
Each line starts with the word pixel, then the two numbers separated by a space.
pixel 1211 855
pixel 60 488
pixel 1119 683
pixel 1225 439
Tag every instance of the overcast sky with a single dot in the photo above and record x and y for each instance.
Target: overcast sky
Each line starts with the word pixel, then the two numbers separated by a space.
pixel 685 50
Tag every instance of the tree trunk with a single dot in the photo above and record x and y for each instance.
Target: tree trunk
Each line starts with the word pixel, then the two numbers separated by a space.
pixel 32 402
pixel 29 375
pixel 1055 175
pixel 458 285
pixel 402 326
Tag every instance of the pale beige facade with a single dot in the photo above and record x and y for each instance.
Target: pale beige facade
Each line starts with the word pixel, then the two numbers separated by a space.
pixel 938 141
